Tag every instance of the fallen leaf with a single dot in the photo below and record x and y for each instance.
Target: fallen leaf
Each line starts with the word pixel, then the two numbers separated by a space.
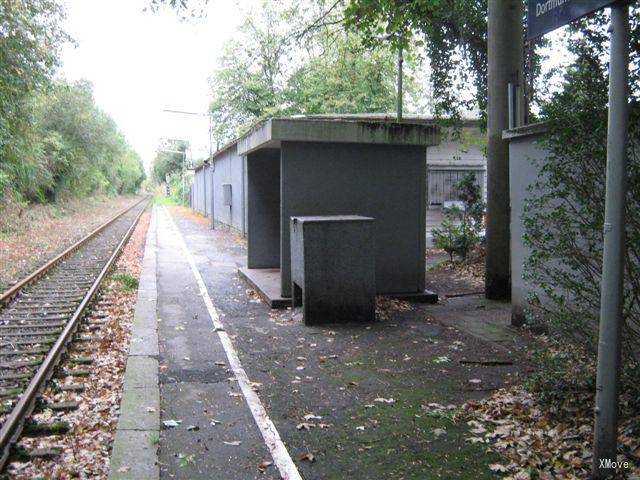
pixel 305 426
pixel 496 467
pixel 308 457
pixel 439 432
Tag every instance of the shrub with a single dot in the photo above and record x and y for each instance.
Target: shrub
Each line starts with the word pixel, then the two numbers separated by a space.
pixel 564 214
pixel 461 228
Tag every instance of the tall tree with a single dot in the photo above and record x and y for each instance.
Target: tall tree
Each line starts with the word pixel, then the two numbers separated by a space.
pixel 295 58
pixel 169 159
pixel 30 39
pixel 251 76
pixel 454 33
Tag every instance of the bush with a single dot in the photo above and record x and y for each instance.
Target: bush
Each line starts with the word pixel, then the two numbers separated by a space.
pixel 561 375
pixel 564 214
pixel 461 228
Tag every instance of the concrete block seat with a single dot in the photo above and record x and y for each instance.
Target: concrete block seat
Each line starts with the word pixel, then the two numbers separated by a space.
pixel 333 268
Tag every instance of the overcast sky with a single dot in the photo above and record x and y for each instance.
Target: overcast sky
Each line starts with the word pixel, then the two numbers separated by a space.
pixel 141 63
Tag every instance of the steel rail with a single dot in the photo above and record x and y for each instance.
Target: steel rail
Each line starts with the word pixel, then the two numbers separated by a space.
pixel 10 293
pixel 14 423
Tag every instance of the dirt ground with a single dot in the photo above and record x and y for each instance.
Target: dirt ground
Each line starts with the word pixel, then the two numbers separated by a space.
pixel 360 401
pixel 455 278
pixel 32 235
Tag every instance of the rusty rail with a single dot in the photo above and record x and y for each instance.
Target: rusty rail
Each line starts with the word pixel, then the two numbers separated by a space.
pixel 14 423
pixel 10 293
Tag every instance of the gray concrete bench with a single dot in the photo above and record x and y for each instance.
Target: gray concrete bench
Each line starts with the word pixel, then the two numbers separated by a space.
pixel 333 268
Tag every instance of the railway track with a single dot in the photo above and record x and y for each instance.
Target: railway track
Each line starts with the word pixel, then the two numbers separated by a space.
pixel 40 317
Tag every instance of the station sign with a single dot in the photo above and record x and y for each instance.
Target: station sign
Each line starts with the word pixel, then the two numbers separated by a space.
pixel 543 16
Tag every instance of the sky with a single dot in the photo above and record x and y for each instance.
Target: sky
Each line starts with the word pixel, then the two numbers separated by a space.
pixel 141 63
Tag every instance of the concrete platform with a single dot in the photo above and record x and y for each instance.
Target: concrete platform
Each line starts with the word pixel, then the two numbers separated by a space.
pixel 296 371
pixel 266 282
pixel 134 454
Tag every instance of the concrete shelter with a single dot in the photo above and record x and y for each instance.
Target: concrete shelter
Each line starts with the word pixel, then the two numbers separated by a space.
pixel 309 166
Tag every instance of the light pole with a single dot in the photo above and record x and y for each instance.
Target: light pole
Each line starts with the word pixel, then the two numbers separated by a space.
pixel 504 54
pixel 612 286
pixel 400 93
pixel 400 63
pixel 197 114
pixel 200 114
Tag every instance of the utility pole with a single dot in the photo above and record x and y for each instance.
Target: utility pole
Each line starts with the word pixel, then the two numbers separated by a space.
pixel 400 93
pixel 505 60
pixel 611 299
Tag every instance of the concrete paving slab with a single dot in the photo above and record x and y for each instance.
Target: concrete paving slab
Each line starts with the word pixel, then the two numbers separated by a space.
pixel 141 372
pixel 209 416
pixel 485 319
pixel 266 282
pixel 335 372
pixel 140 409
pixel 145 314
pixel 134 455
pixel 420 297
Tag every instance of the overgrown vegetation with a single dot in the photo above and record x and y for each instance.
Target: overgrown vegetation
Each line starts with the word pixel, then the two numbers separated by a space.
pixel 54 140
pixel 565 214
pixel 462 227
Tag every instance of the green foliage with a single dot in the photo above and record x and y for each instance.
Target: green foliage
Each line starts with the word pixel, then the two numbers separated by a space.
pixel 454 35
pixel 461 228
pixel 82 149
pixel 560 375
pixel 295 58
pixel 127 282
pixel 564 215
pixel 347 78
pixel 30 41
pixel 169 159
pixel 175 182
pixel 53 139
pixel 170 162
